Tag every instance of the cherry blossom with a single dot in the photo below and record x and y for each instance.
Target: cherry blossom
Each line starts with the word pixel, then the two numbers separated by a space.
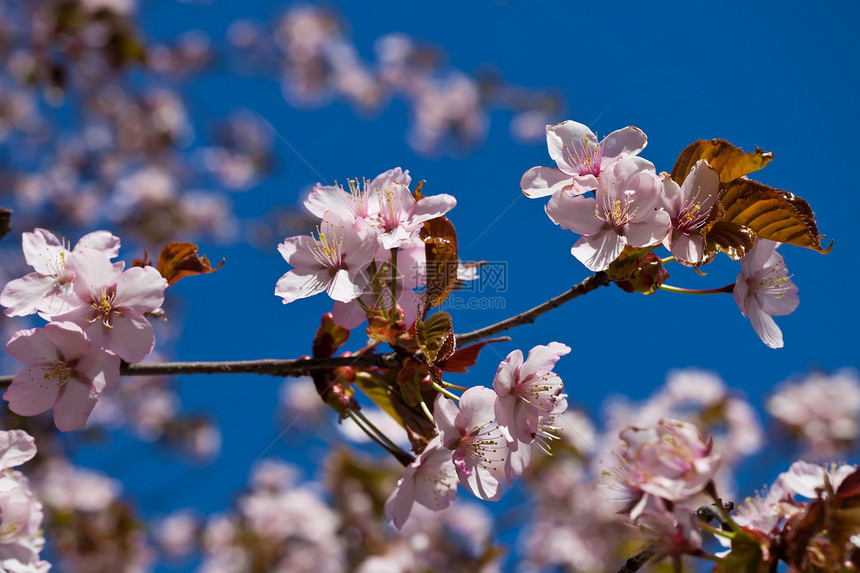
pixel 764 290
pixel 528 390
pixel 42 290
pixel 812 481
pixel 21 535
pixel 402 216
pixel 670 461
pixel 621 213
pixel 64 371
pixel 689 207
pixel 431 481
pixel 580 158
pixel 110 304
pixel 480 448
pixel 822 411
pixel 675 530
pixel 361 201
pixel 335 261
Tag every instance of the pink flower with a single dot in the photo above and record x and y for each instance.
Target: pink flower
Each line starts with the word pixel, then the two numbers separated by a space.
pixel 580 158
pixel 764 290
pixel 528 390
pixel 621 213
pixel 402 216
pixel 431 481
pixel 44 252
pixel 480 448
pixel 21 535
pixel 822 411
pixel 676 531
pixel 335 261
pixel 809 480
pixel 669 461
pixel 110 304
pixel 16 447
pixel 689 207
pixel 64 371
pixel 361 202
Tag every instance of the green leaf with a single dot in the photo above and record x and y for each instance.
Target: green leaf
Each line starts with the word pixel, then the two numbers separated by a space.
pixel 378 393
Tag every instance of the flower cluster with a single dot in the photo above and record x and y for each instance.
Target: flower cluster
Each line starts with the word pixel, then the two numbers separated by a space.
pixel 367 237
pixel 487 438
pixel 622 209
pixel 21 535
pixel 96 311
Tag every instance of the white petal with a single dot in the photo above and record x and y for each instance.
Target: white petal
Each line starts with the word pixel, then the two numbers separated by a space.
pixel 599 251
pixel 301 284
pixel 542 181
pixel 629 140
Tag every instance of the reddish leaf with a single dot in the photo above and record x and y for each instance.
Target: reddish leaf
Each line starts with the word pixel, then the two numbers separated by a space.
pixel 464 358
pixel 729 161
pixel 178 260
pixel 772 213
pixel 435 337
pixel 440 247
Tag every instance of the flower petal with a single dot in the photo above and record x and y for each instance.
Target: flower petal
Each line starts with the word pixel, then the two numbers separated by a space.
pixel 32 346
pixel 302 283
pixel 597 252
pixel 343 287
pixel 32 391
pixel 566 133
pixel 542 359
pixel 628 140
pixel 508 373
pixel 16 447
pixel 577 214
pixel 22 296
pixel 102 241
pixel 77 399
pixel 543 181
pixel 140 289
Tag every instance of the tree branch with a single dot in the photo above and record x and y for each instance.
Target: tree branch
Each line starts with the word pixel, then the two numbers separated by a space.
pixel 591 283
pixel 269 367
pixel 304 366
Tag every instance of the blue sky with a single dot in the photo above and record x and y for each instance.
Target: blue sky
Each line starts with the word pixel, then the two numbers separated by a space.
pixel 783 77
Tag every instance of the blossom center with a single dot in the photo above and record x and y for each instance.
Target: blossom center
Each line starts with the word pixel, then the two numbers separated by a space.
pixel 326 249
pixel 584 157
pixel 359 196
pixel 617 212
pixel 692 216
pixel 392 205
pixel 774 282
pixel 60 373
pixel 483 447
pixel 105 307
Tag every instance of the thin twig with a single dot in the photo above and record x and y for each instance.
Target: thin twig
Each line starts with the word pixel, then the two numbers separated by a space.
pixel 268 367
pixel 591 283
